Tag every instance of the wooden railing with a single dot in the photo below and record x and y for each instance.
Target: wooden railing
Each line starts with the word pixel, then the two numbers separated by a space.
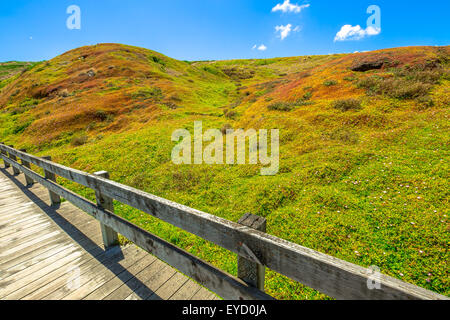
pixel 255 248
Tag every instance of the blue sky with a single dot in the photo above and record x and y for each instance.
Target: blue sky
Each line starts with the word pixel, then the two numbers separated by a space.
pixel 35 30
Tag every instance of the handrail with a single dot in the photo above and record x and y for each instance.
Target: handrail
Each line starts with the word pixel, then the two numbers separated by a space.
pixel 332 276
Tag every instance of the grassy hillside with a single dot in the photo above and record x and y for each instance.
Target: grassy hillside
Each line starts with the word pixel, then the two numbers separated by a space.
pixel 364 146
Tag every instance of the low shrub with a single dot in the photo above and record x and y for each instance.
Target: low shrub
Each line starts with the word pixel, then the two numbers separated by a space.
pixel 288 106
pixel 347 104
pixel 158 60
pixel 19 128
pixel 330 83
pixel 401 89
pixel 79 140
pixel 149 93
pixel 307 95
pixel 345 136
pixel 351 79
pixel 425 102
pixel 281 106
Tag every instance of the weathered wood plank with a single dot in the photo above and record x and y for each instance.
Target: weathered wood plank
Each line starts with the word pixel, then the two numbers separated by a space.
pixel 55 199
pixel 28 180
pixel 41 251
pixel 153 276
pixel 5 232
pixel 249 271
pixel 14 242
pixel 65 267
pixel 105 275
pixel 110 237
pixel 113 284
pixel 6 253
pixel 169 288
pixel 16 282
pixel 58 240
pixel 85 272
pixel 33 262
pixel 13 157
pixel 186 292
pixel 202 294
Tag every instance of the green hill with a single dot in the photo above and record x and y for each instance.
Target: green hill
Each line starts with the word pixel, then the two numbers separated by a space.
pixel 364 146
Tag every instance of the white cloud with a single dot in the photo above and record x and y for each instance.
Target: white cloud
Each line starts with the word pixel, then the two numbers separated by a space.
pixel 254 47
pixel 289 7
pixel 262 48
pixel 286 30
pixel 349 32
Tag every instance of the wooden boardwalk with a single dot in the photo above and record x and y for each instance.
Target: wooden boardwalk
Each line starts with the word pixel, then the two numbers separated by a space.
pixel 56 253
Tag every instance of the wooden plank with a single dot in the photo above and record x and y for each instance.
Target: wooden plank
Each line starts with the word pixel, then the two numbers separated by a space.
pixel 33 245
pixel 21 272
pixel 32 262
pixel 58 288
pixel 62 268
pixel 6 164
pixel 54 198
pixel 105 275
pixel 110 237
pixel 13 237
pixel 202 294
pixel 28 180
pixel 19 241
pixel 40 252
pixel 249 271
pixel 74 234
pixel 186 292
pixel 332 276
pixel 169 288
pixel 58 240
pixel 11 284
pixel 20 213
pixel 13 157
pixel 10 251
pixel 14 223
pixel 153 276
pixel 106 289
pixel 5 232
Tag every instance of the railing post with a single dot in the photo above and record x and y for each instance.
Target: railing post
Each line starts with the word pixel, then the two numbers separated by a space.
pixel 249 271
pixel 110 237
pixel 7 165
pixel 54 198
pixel 13 157
pixel 26 164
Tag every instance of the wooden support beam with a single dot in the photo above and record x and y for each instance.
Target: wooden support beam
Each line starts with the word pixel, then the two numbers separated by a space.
pixel 110 237
pixel 54 198
pixel 249 271
pixel 13 157
pixel 26 164
pixel 7 165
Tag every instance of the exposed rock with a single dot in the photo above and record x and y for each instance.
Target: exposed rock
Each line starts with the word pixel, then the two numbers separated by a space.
pixel 363 66
pixel 91 73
